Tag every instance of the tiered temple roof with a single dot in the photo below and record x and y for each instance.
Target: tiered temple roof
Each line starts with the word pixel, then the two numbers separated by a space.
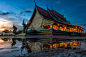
pixel 51 15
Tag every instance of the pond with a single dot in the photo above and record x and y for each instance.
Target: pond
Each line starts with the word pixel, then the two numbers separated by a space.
pixel 11 47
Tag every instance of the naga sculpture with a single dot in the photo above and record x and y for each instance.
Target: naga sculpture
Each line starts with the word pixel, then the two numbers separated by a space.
pixel 25 27
pixel 15 30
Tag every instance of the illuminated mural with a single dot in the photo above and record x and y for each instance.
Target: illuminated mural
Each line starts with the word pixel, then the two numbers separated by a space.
pixel 37 21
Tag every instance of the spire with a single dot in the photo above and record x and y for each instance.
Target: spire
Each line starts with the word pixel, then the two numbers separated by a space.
pixel 35 3
pixel 63 15
pixel 23 21
pixel 47 6
pixel 51 8
pixel 69 20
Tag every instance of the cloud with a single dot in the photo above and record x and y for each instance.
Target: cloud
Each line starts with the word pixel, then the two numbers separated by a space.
pixel 83 24
pixel 2 21
pixel 70 15
pixel 5 26
pixel 9 19
pixel 2 26
pixel 25 12
pixel 13 18
pixel 5 13
pixel 18 17
pixel 58 2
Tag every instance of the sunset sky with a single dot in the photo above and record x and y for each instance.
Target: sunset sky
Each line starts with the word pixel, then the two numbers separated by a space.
pixel 14 11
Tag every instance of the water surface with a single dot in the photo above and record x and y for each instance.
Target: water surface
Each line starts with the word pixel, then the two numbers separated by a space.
pixel 18 46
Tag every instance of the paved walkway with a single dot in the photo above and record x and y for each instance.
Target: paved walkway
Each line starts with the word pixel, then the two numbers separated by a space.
pixel 53 53
pixel 34 36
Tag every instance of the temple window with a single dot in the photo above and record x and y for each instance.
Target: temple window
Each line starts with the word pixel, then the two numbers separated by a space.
pixel 51 46
pixel 55 27
pixel 51 26
pixel 58 24
pixel 81 31
pixel 76 26
pixel 70 29
pixel 55 46
pixel 78 30
pixel 65 28
pixel 46 27
pixel 74 30
pixel 61 29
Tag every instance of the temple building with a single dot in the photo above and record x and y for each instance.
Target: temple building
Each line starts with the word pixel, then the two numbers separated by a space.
pixel 51 21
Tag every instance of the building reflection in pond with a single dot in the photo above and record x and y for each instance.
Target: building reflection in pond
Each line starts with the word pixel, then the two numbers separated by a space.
pixel 43 44
pixel 25 46
pixel 13 42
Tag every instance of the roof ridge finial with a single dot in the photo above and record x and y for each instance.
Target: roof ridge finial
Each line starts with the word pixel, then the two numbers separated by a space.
pixel 63 14
pixel 23 21
pixel 35 2
pixel 51 8
pixel 47 6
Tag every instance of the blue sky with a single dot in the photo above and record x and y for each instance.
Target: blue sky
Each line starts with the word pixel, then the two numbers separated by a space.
pixel 10 11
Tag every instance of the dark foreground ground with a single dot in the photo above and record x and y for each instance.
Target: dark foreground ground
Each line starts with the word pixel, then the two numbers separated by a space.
pixel 57 53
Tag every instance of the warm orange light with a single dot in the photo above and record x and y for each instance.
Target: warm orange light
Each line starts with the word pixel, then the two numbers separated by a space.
pixel 51 46
pixel 58 24
pixel 51 22
pixel 1 29
pixel 55 27
pixel 1 40
pixel 76 26
pixel 50 26
pixel 55 46
pixel 42 48
pixel 29 22
pixel 66 44
pixel 42 24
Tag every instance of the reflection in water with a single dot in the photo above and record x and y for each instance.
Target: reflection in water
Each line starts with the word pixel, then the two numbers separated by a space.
pixel 1 40
pixel 5 39
pixel 32 45
pixel 4 42
pixel 43 44
pixel 25 45
pixel 14 42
